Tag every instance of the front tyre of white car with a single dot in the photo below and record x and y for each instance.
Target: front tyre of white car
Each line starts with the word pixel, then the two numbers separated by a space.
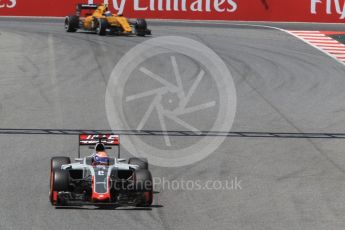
pixel 144 185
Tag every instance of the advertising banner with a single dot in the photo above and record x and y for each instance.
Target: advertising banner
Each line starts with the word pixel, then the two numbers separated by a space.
pixel 234 10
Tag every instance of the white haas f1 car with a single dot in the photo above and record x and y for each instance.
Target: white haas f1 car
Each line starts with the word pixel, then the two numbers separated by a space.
pixel 100 181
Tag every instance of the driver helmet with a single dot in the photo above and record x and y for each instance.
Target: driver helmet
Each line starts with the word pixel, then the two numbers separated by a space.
pixel 99 147
pixel 101 157
pixel 108 14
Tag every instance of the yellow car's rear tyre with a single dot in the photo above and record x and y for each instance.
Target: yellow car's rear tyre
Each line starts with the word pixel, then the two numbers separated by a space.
pixel 141 27
pixel 71 23
pixel 102 27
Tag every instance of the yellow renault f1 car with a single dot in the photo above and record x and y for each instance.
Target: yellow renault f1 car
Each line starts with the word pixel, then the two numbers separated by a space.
pixel 97 18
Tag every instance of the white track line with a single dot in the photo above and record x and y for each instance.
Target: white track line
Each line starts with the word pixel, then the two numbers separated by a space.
pixel 325 46
pixel 318 39
pixel 304 31
pixel 311 35
pixel 336 51
pixel 321 41
pixel 332 47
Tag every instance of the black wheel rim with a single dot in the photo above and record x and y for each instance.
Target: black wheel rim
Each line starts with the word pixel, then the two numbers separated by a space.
pixel 98 29
pixel 66 25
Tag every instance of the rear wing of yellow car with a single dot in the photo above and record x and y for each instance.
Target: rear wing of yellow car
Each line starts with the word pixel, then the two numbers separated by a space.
pixel 88 8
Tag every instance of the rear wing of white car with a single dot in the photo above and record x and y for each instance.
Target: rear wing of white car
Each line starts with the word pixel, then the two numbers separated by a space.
pixel 109 140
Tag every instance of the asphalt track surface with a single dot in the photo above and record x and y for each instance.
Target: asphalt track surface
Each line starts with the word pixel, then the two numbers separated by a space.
pixel 51 79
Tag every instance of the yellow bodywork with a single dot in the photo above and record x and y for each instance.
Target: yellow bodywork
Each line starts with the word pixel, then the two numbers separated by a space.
pixel 113 20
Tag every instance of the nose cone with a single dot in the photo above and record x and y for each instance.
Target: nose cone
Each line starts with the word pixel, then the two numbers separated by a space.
pixel 100 190
pixel 100 197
